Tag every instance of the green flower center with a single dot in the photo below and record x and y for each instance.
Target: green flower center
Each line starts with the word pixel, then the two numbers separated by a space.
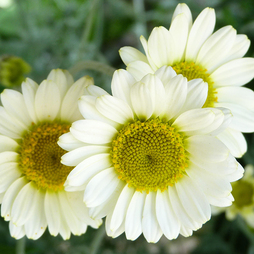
pixel 149 155
pixel 192 71
pixel 40 156
pixel 242 193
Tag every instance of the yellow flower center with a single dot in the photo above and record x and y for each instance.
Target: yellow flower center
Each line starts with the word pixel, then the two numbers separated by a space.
pixel 192 71
pixel 40 156
pixel 242 193
pixel 149 155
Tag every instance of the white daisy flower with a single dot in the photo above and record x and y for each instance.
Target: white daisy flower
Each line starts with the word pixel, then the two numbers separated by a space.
pixel 243 193
pixel 194 51
pixel 147 157
pixel 32 176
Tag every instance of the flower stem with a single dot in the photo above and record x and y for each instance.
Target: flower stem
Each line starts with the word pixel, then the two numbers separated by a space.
pixel 97 240
pixel 21 246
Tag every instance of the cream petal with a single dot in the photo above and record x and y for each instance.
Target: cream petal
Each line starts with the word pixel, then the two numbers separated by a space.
pixel 8 156
pixel 116 232
pixel 166 217
pixel 9 126
pixel 37 224
pixel 14 104
pixel 238 95
pixel 88 110
pixel 93 132
pixel 141 101
pixel 179 30
pixel 206 148
pixel 193 200
pixel 88 168
pixel 243 118
pixel 202 28
pixel 216 47
pixel 69 108
pixel 16 232
pixel 186 232
pixel 65 231
pixel 52 212
pixel 68 142
pixel 68 77
pixel 76 156
pixel 139 69
pixel 29 88
pixel 47 101
pixel 197 91
pixel 93 90
pixel 7 144
pixel 176 92
pixel 133 220
pixel 165 74
pixel 101 187
pixel 115 109
pixel 150 225
pixel 183 216
pixel 156 91
pixel 235 142
pixel 121 83
pixel 161 46
pixel 9 172
pixel 234 73
pixel 130 54
pixel 183 8
pixel 120 209
pixel 21 212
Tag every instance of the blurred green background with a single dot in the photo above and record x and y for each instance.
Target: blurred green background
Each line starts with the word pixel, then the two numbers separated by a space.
pixel 66 34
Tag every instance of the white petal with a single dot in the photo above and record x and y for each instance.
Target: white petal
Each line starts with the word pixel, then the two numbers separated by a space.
pixel 16 232
pixel 183 8
pixel 29 88
pixel 121 207
pixel 234 73
pixel 7 144
pixel 237 95
pixel 14 104
pixel 161 46
pixel 202 28
pixel 196 94
pixel 69 108
pixel 216 48
pixel 235 142
pixel 130 54
pixel 21 212
pixel 88 168
pixel 52 212
pixel 243 118
pixel 150 225
pixel 166 217
pixel 193 200
pixel 165 74
pixel 121 83
pixel 115 109
pixel 68 142
pixel 47 101
pixel 157 92
pixel 100 187
pixel 133 220
pixel 176 92
pixel 116 232
pixel 8 156
pixel 93 90
pixel 37 224
pixel 74 157
pixel 93 132
pixel 139 69
pixel 206 148
pixel 59 78
pixel 10 196
pixel 179 30
pixel 88 110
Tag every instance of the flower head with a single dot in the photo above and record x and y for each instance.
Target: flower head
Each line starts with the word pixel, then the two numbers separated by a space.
pixel 147 157
pixel 194 51
pixel 32 177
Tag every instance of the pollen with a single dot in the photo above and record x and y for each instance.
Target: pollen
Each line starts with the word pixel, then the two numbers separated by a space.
pixel 149 155
pixel 40 156
pixel 192 71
